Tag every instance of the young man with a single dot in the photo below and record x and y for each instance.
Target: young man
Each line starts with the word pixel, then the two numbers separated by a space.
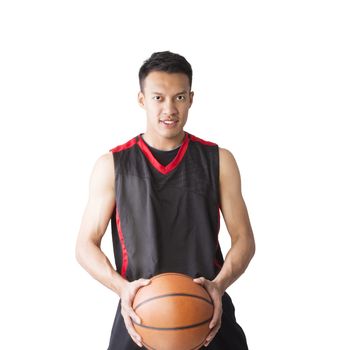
pixel 162 191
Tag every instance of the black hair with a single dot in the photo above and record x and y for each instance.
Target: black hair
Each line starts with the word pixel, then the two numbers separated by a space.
pixel 165 61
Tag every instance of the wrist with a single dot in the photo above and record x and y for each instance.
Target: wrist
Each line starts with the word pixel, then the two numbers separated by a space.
pixel 219 286
pixel 119 285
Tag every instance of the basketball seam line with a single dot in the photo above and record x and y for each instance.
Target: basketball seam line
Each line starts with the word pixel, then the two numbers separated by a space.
pixel 176 274
pixel 174 295
pixel 195 348
pixel 173 328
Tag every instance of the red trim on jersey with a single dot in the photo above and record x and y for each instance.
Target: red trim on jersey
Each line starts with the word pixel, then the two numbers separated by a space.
pixel 173 164
pixel 122 243
pixel 217 239
pixel 197 139
pixel 217 264
pixel 219 219
pixel 125 146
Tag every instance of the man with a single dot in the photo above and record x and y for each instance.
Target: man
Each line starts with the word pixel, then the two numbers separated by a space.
pixel 162 191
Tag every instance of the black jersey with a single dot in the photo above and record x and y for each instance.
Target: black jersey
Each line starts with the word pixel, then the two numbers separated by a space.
pixel 163 157
pixel 167 216
pixel 167 219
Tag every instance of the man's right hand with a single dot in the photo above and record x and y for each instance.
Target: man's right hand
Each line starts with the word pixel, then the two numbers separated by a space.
pixel 127 297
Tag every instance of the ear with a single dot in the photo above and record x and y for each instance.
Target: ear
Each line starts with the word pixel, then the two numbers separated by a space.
pixel 141 99
pixel 191 98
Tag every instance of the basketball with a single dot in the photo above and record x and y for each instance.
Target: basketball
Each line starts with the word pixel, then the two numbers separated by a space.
pixel 175 313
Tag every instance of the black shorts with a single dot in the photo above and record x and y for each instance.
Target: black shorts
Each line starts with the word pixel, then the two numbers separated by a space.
pixel 229 337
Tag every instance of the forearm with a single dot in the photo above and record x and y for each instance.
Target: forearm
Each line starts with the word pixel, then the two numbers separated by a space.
pixel 236 262
pixel 95 262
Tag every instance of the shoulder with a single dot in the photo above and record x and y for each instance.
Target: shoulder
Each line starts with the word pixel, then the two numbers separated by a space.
pixel 105 161
pixel 226 155
pixel 228 165
pixel 201 141
pixel 103 170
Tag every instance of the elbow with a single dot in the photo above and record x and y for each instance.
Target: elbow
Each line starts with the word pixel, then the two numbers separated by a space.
pixel 79 252
pixel 252 247
pixel 84 250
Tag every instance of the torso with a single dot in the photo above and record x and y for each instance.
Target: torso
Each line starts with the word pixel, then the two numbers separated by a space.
pixel 167 215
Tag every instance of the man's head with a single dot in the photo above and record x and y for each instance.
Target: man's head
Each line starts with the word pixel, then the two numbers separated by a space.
pixel 165 84
pixel 165 61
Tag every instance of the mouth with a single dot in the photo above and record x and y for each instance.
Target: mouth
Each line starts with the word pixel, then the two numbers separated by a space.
pixel 169 123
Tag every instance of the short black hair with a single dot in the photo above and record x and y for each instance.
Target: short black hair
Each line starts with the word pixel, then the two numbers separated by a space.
pixel 165 61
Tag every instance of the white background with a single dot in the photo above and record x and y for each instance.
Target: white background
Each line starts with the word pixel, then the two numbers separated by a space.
pixel 271 82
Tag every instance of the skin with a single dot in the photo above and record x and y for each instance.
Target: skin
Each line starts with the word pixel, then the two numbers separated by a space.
pixel 164 97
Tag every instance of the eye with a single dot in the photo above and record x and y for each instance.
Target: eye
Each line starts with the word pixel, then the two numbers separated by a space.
pixel 157 98
pixel 181 97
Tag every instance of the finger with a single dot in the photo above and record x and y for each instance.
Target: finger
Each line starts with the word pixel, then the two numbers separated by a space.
pixel 128 315
pixel 129 312
pixel 199 280
pixel 143 282
pixel 211 335
pixel 136 341
pixel 208 341
pixel 132 331
pixel 133 315
pixel 217 314
pixel 213 332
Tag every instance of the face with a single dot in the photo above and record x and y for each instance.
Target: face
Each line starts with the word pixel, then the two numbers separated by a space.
pixel 166 97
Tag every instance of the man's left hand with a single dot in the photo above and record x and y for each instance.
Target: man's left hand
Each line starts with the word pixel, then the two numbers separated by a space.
pixel 216 295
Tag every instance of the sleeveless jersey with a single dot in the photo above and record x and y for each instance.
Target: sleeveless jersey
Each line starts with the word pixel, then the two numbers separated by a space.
pixel 163 157
pixel 167 217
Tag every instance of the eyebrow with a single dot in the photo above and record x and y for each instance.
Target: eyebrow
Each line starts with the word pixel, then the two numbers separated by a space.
pixel 159 93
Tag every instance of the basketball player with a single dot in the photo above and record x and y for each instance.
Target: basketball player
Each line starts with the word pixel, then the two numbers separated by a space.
pixel 163 191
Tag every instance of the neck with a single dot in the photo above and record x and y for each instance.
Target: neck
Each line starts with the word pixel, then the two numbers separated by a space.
pixel 163 143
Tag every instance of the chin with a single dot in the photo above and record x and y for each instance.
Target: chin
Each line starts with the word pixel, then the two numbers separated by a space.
pixel 171 133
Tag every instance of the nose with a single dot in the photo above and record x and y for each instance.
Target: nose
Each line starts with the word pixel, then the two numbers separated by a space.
pixel 169 107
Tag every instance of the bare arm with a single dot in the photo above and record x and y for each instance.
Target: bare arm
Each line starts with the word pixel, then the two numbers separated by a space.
pixel 97 214
pixel 242 248
pixel 237 221
pixel 94 223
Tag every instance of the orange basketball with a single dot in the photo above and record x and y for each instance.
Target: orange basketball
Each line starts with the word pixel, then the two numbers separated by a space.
pixel 175 313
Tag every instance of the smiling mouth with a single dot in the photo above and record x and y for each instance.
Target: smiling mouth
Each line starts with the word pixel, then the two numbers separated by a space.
pixel 169 122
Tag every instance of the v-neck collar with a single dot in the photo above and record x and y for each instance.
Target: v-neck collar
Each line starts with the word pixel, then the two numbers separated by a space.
pixel 164 169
